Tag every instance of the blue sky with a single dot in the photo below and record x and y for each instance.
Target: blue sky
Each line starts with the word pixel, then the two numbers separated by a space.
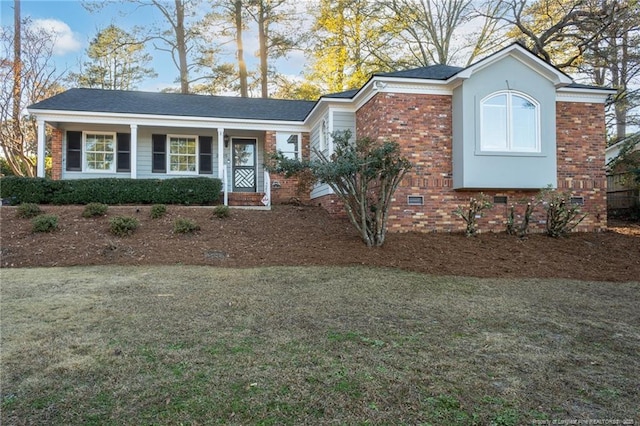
pixel 75 27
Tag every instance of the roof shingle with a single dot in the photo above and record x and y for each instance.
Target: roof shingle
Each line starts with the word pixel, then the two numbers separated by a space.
pixel 175 104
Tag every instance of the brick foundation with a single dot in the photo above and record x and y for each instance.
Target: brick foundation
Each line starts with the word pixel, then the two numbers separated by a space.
pixel 332 204
pixel 422 124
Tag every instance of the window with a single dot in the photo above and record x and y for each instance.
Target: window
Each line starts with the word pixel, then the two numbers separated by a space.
pixel 324 135
pixel 124 152
pixel 99 152
pixel 509 122
pixel 415 200
pixel 74 151
pixel 288 144
pixel 183 154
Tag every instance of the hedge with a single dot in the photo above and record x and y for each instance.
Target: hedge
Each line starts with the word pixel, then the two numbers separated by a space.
pixel 198 191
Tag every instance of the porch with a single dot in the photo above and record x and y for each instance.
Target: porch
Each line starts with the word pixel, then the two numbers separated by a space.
pixel 235 156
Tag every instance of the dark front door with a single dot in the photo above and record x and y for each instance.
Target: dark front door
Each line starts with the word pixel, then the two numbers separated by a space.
pixel 244 165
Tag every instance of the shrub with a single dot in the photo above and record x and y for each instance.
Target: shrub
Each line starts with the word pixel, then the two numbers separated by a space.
pixel 28 210
pixel 197 190
pixel 562 215
pixel 472 212
pixel 221 212
pixel 95 209
pixel 44 223
pixel 364 175
pixel 184 226
pixel 521 229
pixel 123 225
pixel 158 210
pixel 20 190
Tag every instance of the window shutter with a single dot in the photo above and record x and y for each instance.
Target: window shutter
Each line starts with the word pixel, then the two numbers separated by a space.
pixel 74 151
pixel 206 155
pixel 159 148
pixel 123 163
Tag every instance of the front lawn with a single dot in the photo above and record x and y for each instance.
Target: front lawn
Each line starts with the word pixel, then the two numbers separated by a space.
pixel 316 345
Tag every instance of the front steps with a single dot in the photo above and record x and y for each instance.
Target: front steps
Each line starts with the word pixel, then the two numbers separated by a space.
pixel 246 199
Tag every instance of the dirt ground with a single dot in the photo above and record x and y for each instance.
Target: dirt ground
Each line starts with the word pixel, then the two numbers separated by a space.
pixel 293 235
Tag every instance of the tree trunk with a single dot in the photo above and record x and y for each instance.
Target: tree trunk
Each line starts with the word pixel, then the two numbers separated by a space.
pixel 182 47
pixel 242 65
pixel 263 28
pixel 17 84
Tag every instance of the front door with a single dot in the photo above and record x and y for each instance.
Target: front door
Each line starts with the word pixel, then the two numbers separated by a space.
pixel 244 165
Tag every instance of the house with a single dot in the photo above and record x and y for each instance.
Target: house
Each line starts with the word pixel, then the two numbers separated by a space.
pixel 507 125
pixel 623 190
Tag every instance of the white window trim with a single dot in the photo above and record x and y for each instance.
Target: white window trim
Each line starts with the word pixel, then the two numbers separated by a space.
pixel 86 169
pixel 168 150
pixel 299 151
pixel 510 149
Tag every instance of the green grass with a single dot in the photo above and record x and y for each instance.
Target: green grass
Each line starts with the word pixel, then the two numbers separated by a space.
pixel 199 345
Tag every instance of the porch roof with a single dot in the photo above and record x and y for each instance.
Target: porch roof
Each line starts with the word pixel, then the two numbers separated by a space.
pixel 175 104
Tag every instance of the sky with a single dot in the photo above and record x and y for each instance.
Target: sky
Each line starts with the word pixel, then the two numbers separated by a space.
pixel 75 27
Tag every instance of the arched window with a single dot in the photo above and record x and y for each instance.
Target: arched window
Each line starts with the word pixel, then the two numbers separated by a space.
pixel 509 122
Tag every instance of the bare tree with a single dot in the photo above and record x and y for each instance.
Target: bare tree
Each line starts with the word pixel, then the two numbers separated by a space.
pixel 615 62
pixel 559 31
pixel 429 29
pixel 34 79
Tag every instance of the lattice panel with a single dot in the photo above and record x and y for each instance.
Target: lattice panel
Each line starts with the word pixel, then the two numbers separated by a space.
pixel 245 178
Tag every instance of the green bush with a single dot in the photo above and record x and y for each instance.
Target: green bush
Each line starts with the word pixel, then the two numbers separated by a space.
pixel 189 191
pixel 94 210
pixel 123 225
pixel 184 226
pixel 28 210
pixel 44 223
pixel 19 190
pixel 221 212
pixel 158 210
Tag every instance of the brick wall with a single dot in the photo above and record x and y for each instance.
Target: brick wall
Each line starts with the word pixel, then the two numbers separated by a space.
pixel 56 153
pixel 422 124
pixel 288 189
pixel 332 204
pixel 581 143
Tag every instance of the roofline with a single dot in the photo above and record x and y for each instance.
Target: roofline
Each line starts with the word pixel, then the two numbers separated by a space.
pixel 525 55
pixel 163 120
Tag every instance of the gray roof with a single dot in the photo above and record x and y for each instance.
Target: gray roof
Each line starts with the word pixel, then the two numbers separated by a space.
pixel 347 94
pixel 432 72
pixel 174 104
pixel 586 86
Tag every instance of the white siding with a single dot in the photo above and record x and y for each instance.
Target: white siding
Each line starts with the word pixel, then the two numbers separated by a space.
pixel 343 120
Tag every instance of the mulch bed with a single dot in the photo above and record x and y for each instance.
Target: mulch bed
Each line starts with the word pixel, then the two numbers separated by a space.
pixel 301 235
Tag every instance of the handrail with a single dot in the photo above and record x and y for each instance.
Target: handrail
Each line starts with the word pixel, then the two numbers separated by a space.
pixel 266 200
pixel 225 190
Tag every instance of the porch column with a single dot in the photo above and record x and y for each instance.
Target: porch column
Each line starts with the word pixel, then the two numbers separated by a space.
pixel 134 151
pixel 220 152
pixel 42 137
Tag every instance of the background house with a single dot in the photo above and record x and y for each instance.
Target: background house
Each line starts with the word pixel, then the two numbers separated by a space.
pixel 507 125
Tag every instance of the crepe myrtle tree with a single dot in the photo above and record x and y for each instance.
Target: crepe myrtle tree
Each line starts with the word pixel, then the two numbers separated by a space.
pixel 364 174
